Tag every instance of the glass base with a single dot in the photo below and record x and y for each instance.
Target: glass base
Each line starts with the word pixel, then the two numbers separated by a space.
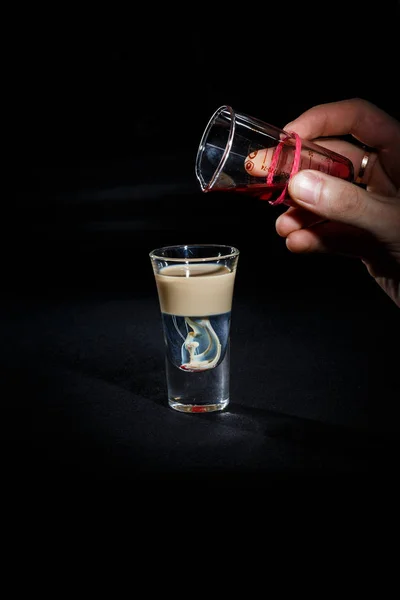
pixel 198 408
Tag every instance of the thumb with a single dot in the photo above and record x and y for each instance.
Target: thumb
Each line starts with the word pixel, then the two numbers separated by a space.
pixel 339 200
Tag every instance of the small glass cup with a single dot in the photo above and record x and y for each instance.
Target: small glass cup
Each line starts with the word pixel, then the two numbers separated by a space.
pixel 195 286
pixel 238 153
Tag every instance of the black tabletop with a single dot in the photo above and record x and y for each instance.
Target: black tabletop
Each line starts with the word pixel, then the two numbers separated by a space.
pixel 314 386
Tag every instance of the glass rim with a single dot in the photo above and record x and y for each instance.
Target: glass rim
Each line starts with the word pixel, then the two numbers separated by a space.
pixel 156 253
pixel 206 187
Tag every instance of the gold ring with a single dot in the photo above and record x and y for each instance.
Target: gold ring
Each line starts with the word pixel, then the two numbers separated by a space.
pixel 363 166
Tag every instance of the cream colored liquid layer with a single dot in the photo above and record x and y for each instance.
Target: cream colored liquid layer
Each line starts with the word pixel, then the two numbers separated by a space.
pixel 195 290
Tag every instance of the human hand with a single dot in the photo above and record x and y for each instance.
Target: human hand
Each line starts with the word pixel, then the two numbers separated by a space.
pixel 336 216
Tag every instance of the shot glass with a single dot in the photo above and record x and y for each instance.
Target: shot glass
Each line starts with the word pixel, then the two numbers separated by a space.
pixel 195 285
pixel 238 153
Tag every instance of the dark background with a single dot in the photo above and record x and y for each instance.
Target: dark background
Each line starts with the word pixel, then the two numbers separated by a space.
pixel 106 115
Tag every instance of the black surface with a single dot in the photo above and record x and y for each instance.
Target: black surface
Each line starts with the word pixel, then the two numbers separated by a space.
pixel 314 382
pixel 104 173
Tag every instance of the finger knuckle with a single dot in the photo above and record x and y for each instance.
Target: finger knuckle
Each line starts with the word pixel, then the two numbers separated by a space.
pixel 346 202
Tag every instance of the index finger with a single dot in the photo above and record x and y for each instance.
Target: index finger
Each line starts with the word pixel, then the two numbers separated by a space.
pixel 359 118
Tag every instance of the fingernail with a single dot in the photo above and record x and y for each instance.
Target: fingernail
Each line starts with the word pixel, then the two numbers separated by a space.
pixel 304 187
